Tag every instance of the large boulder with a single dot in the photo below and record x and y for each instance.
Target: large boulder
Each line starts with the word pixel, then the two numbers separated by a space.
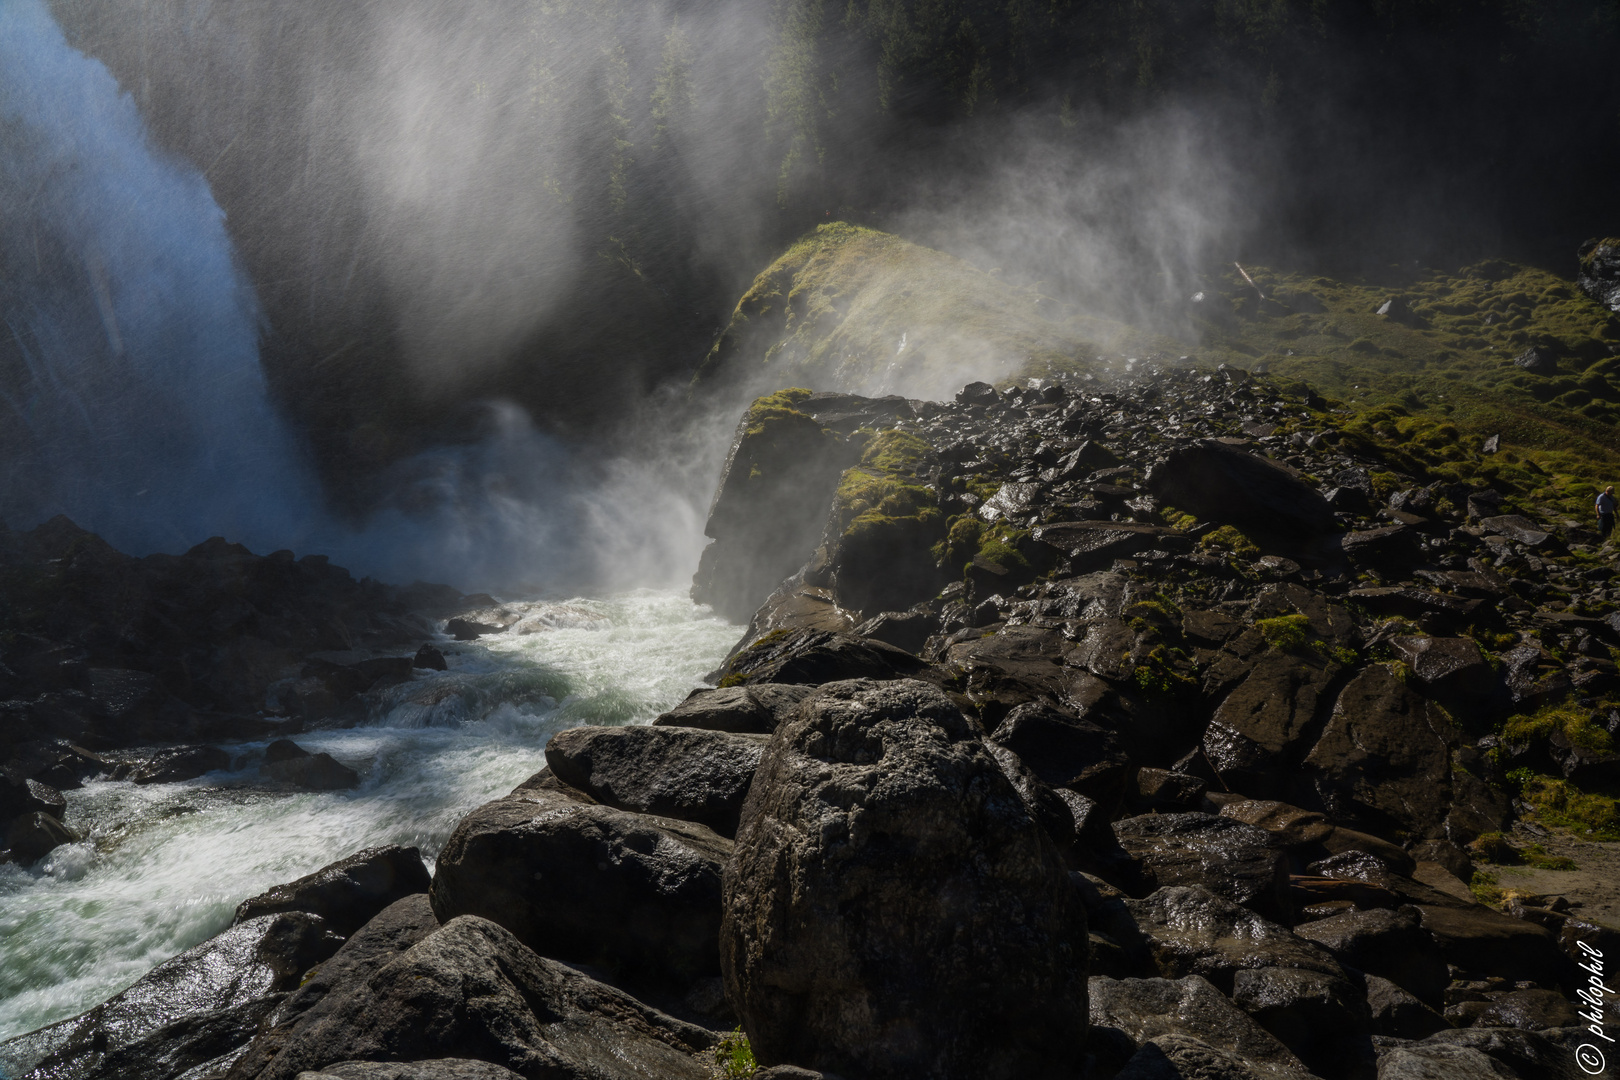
pixel 472 990
pixel 1254 741
pixel 1485 943
pixel 393 930
pixel 584 882
pixel 1323 1018
pixel 817 656
pixel 1599 274
pixel 1391 944
pixel 684 773
pixel 349 892
pixel 1148 1009
pixel 770 506
pixel 288 763
pixel 759 708
pixel 1189 930
pixel 1221 481
pixel 179 763
pixel 1384 759
pixel 187 1011
pixel 28 838
pixel 892 910
pixel 1229 858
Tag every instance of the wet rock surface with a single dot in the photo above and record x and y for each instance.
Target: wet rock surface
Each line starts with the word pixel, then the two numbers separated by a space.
pixel 349 892
pixel 856 936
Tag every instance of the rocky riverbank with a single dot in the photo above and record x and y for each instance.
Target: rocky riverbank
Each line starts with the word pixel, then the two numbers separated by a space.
pixel 1165 726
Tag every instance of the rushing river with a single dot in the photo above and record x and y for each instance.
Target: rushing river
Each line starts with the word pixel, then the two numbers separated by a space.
pixel 164 866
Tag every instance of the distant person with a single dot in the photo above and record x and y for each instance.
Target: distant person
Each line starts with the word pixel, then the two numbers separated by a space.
pixel 1605 512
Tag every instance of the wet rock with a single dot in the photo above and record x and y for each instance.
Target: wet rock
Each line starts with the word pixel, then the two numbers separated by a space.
pixel 1174 1057
pixel 892 909
pixel 684 773
pixel 813 657
pixel 1096 544
pixel 1222 482
pixel 1452 665
pixel 1145 1010
pixel 1389 547
pixel 288 763
pixel 1231 859
pixel 185 1012
pixel 584 882
pixel 18 797
pixel 977 393
pixel 173 765
pixel 1384 757
pixel 1398 1014
pixel 393 930
pixel 769 507
pixel 438 1069
pixel 1257 736
pixel 470 630
pixel 346 893
pixel 1322 1018
pixel 1537 360
pixel 30 837
pixel 1528 1055
pixel 1532 1010
pixel 1065 751
pixel 1163 789
pixel 759 708
pixel 1484 943
pixel 1438 1061
pixel 908 630
pixel 430 658
pixel 1390 944
pixel 1191 931
pixel 1519 529
pixel 1599 275
pixel 1307 833
pixel 472 990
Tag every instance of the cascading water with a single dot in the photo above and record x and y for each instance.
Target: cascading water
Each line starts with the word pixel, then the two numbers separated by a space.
pixel 132 400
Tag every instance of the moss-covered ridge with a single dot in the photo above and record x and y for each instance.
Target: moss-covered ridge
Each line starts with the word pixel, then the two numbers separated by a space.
pixel 857 310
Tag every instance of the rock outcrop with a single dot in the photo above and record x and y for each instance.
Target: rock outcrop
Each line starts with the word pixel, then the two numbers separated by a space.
pixel 892 909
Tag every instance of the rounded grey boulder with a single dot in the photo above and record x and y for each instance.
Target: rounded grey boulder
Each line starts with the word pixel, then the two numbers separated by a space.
pixel 891 908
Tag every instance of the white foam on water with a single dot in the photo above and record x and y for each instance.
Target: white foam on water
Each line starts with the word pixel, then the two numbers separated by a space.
pixel 165 865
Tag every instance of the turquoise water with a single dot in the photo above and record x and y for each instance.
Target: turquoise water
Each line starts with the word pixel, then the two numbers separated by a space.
pixel 164 866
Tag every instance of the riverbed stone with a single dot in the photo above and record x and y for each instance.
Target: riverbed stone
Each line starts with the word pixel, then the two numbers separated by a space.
pixel 584 882
pixel 1229 858
pixel 346 893
pixel 178 763
pixel 758 709
pixel 892 910
pixel 472 990
pixel 1146 1009
pixel 288 763
pixel 685 773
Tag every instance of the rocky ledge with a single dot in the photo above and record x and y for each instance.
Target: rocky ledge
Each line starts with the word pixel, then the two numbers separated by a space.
pixel 1157 729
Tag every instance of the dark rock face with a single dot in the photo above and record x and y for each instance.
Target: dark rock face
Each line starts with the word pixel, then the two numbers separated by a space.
pixel 1391 944
pixel 1599 275
pixel 892 910
pixel 769 507
pixel 288 763
pixel 1191 931
pixel 395 929
pixel 694 775
pixel 1320 1017
pixel 1255 738
pixel 1229 858
pixel 813 657
pixel 1485 943
pixel 1146 1010
pixel 181 763
pixel 1397 1014
pixel 1221 482
pixel 438 1069
pixel 30 837
pixel 1385 756
pixel 349 892
pixel 472 990
pixel 187 1011
pixel 585 882
pixel 756 709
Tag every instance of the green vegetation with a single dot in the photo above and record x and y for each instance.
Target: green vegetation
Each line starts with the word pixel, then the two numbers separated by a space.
pixel 1232 539
pixel 735 1057
pixel 1285 633
pixel 1486 890
pixel 1573 722
pixel 1588 815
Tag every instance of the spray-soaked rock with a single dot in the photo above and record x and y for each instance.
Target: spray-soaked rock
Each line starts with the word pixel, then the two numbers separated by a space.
pixel 349 892
pixel 758 708
pixel 585 882
pixel 472 990
pixel 1229 858
pixel 1148 1009
pixel 685 773
pixel 288 763
pixel 1220 481
pixel 892 909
